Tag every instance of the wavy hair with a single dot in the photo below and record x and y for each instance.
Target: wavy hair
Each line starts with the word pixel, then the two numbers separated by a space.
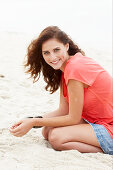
pixel 35 63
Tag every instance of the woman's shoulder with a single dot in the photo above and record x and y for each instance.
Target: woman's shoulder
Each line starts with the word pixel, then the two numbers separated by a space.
pixel 82 68
pixel 82 62
pixel 75 62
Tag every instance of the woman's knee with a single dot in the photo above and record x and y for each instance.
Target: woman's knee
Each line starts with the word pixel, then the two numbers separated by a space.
pixel 45 131
pixel 54 139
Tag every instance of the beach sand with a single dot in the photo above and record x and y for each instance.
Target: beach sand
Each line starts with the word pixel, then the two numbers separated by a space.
pixel 20 98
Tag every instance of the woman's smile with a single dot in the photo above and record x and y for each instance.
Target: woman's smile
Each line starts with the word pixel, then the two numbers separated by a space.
pixel 55 62
pixel 55 53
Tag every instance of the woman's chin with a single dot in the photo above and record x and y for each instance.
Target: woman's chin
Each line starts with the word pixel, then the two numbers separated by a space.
pixel 56 67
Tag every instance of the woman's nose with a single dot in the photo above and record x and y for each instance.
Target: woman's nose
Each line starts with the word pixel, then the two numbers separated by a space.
pixel 53 56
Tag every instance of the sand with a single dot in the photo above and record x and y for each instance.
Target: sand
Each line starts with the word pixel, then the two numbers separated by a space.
pixel 19 98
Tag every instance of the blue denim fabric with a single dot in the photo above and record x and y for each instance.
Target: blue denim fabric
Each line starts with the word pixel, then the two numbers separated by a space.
pixel 103 137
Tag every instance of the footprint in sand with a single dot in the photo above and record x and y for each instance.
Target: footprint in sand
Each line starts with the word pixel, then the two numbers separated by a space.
pixel 2 76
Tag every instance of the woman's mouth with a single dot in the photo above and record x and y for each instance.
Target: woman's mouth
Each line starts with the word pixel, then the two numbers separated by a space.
pixel 55 62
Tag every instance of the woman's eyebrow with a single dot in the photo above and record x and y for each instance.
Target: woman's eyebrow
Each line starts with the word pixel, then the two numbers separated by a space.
pixel 44 51
pixel 53 49
pixel 56 47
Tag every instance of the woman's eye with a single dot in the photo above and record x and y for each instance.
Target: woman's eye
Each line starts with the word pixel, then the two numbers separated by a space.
pixel 46 53
pixel 56 50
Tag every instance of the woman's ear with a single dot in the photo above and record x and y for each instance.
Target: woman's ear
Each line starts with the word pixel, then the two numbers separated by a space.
pixel 67 46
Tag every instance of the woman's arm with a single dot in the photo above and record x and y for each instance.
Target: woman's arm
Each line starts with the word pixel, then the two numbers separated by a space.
pixel 63 106
pixel 76 99
pixel 21 127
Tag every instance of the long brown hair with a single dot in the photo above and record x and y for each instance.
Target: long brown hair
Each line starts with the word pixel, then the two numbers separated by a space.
pixel 35 62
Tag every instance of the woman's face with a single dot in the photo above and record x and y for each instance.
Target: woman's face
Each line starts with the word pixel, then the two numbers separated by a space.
pixel 55 53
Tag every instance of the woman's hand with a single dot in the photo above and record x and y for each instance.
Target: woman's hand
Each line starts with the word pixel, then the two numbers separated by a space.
pixel 21 127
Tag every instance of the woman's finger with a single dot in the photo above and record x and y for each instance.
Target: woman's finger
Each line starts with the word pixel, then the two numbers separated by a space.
pixel 17 123
pixel 17 134
pixel 14 130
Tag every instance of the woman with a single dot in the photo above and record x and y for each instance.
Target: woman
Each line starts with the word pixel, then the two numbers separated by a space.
pixel 84 118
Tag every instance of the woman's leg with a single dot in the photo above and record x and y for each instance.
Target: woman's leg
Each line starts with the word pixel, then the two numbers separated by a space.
pixel 81 147
pixel 45 130
pixel 80 137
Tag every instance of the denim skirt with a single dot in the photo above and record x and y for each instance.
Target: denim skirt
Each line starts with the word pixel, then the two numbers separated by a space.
pixel 103 137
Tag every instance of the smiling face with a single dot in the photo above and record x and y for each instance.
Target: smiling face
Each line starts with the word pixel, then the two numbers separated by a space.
pixel 55 53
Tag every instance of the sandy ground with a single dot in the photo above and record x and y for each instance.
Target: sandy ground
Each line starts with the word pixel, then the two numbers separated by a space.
pixel 19 98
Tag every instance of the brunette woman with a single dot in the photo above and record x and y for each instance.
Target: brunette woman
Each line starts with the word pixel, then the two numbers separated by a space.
pixel 84 118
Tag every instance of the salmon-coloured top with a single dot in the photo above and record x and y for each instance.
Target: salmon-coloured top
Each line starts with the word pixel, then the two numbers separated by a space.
pixel 98 105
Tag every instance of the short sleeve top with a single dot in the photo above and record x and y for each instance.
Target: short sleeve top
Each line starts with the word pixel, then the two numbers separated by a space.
pixel 98 103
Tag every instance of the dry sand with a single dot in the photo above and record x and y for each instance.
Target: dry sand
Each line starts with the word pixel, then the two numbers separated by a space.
pixel 19 98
